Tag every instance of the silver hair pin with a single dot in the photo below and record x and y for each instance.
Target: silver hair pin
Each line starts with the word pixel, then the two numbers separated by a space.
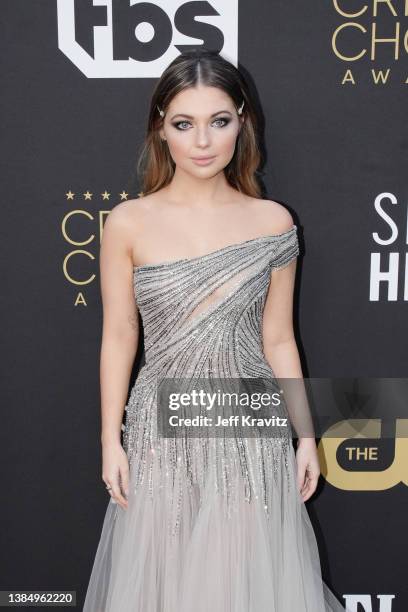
pixel 160 111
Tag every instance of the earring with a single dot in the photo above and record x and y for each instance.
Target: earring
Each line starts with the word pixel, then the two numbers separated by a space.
pixel 160 111
pixel 239 111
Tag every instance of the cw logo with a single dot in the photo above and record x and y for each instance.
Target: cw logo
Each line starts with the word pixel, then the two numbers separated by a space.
pixel 131 39
pixel 365 461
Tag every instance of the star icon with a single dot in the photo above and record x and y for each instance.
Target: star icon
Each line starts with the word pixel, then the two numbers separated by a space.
pixel 123 195
pixel 105 195
pixel 70 195
pixel 88 196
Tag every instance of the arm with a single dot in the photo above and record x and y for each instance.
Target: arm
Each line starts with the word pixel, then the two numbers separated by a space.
pixel 281 350
pixel 282 354
pixel 120 336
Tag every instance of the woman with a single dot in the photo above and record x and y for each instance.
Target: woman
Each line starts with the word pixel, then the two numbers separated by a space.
pixel 210 523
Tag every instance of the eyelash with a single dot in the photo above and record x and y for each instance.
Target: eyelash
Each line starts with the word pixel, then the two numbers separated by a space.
pixel 177 123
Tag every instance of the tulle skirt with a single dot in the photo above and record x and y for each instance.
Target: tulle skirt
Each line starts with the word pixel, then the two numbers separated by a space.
pixel 246 560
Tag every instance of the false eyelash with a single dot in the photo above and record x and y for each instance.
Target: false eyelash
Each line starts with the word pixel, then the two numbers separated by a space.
pixel 225 119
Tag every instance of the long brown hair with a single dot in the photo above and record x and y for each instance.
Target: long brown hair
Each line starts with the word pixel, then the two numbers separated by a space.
pixel 194 67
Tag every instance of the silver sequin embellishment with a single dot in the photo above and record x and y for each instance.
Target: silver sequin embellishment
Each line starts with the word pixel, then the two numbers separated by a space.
pixel 202 317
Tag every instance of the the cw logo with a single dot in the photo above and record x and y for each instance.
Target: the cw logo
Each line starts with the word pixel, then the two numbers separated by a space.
pixel 366 461
pixel 126 38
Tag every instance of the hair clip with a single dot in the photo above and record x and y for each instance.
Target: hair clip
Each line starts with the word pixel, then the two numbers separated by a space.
pixel 160 111
pixel 239 111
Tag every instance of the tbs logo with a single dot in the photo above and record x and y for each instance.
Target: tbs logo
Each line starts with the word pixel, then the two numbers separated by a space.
pixel 131 39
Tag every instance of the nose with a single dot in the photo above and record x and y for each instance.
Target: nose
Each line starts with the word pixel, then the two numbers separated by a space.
pixel 202 136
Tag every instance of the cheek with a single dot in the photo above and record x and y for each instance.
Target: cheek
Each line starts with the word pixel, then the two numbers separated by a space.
pixel 225 140
pixel 179 145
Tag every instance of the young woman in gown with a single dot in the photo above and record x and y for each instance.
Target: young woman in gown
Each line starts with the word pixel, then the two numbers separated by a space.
pixel 210 266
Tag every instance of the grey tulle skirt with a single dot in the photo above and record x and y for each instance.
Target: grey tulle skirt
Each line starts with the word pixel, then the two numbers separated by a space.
pixel 215 561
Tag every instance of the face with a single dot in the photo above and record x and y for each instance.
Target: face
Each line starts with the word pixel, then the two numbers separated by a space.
pixel 201 122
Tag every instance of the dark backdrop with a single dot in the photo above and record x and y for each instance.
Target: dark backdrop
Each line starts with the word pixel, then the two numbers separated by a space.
pixel 74 109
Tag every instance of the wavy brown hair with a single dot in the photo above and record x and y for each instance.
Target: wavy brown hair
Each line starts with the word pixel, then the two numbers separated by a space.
pixel 191 68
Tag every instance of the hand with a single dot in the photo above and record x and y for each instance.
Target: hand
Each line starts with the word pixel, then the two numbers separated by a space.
pixel 308 468
pixel 115 472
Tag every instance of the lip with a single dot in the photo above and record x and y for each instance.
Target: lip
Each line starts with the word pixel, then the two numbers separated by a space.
pixel 203 160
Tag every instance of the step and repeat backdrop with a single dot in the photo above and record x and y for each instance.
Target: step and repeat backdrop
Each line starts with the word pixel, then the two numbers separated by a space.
pixel 331 78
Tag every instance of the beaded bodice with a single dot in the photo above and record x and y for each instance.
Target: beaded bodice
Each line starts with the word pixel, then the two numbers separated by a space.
pixel 192 308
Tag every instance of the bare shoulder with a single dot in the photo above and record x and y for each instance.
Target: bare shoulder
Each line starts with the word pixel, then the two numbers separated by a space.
pixel 130 214
pixel 124 212
pixel 274 216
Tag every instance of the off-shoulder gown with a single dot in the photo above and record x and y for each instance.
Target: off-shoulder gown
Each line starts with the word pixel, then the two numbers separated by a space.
pixel 207 530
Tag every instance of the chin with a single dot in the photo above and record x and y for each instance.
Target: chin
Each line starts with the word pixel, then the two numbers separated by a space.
pixel 207 171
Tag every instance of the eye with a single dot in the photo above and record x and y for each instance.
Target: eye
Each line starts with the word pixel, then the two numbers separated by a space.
pixel 179 124
pixel 225 120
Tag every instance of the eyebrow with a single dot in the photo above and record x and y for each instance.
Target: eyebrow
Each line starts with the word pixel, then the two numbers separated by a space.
pixel 191 117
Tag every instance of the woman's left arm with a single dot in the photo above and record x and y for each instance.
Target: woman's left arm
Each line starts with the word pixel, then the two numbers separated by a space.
pixel 281 352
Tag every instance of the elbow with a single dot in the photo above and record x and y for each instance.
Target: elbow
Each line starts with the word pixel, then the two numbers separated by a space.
pixel 277 341
pixel 124 337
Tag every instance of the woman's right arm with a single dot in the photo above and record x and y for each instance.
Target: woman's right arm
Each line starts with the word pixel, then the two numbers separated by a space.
pixel 120 336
